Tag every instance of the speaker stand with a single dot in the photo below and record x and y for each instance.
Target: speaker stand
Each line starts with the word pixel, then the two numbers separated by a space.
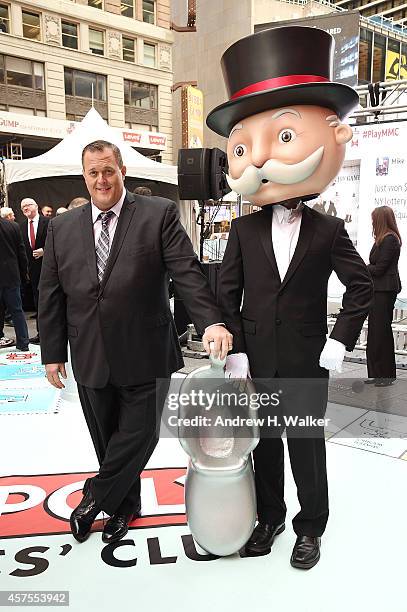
pixel 201 221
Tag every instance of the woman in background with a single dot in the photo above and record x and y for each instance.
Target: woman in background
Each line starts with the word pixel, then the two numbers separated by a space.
pixel 384 256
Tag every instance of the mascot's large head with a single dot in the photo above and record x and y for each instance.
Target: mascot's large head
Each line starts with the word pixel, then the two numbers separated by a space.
pixel 283 117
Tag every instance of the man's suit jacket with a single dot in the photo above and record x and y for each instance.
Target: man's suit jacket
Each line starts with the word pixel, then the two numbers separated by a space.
pixel 122 330
pixel 282 326
pixel 383 264
pixel 13 260
pixel 34 265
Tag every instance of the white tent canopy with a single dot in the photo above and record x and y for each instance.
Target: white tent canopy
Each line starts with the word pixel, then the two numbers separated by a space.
pixel 65 158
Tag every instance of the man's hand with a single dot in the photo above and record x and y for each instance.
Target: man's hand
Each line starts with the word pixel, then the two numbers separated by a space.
pixel 332 355
pixel 221 338
pixel 37 253
pixel 52 373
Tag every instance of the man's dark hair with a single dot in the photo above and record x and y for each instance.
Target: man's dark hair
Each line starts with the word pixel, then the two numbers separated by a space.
pixel 101 145
pixel 143 190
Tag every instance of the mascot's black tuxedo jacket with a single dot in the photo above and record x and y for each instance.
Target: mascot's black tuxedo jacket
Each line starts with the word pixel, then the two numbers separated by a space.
pixel 282 326
pixel 121 331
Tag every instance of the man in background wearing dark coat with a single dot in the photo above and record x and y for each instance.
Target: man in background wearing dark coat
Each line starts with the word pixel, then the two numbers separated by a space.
pixel 13 270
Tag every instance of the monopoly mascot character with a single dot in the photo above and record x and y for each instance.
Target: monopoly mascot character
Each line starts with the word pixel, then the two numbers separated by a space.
pixel 286 143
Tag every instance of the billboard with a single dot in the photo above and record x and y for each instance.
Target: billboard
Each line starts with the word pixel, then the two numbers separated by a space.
pixel 344 27
pixel 396 66
pixel 192 117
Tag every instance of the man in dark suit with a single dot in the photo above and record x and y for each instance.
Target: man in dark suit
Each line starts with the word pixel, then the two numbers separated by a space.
pixel 13 271
pixel 104 287
pixel 286 144
pixel 34 230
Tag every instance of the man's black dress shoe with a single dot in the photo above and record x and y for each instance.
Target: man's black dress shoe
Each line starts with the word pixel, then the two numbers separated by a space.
pixel 370 381
pixel 83 516
pixel 306 552
pixel 35 340
pixel 384 382
pixel 118 525
pixel 262 538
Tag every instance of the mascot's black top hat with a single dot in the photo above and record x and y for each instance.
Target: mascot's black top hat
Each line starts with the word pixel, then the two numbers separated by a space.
pixel 278 67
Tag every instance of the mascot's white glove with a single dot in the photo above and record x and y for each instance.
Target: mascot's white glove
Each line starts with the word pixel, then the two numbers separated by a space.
pixel 332 355
pixel 237 366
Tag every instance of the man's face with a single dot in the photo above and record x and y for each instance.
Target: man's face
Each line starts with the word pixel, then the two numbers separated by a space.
pixel 46 211
pixel 103 177
pixel 286 153
pixel 11 217
pixel 29 209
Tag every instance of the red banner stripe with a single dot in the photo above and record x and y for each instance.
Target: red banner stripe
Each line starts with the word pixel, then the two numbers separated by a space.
pixel 292 79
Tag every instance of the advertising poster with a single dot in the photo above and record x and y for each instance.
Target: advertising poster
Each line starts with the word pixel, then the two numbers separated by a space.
pixel 374 174
pixel 341 199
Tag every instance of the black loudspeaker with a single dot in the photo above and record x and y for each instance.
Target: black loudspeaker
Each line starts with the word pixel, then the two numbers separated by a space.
pixel 219 169
pixel 194 172
pixel 201 174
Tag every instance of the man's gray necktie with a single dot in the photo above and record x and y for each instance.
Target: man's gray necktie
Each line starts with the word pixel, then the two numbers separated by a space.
pixel 103 246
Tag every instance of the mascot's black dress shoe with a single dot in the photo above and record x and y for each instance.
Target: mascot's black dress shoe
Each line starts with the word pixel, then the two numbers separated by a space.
pixel 118 525
pixel 83 516
pixel 262 538
pixel 306 552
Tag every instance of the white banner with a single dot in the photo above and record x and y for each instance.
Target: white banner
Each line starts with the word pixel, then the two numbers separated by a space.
pixel 14 123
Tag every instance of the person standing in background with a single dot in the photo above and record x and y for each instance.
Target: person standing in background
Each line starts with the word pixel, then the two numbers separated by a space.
pixel 384 256
pixel 13 270
pixel 47 211
pixel 7 213
pixel 34 230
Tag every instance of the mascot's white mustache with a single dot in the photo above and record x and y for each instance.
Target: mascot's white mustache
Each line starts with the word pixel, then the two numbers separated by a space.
pixel 276 172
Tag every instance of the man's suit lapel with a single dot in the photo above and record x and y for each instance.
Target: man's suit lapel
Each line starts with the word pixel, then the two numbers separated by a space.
pixel 304 240
pixel 88 238
pixel 123 223
pixel 265 229
pixel 42 225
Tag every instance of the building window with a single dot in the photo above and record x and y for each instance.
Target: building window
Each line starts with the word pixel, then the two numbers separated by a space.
pixel 83 84
pixel 142 127
pixel 379 58
pixel 392 60
pixel 403 61
pixel 129 54
pixel 365 56
pixel 149 55
pixel 23 73
pixel 4 19
pixel 127 8
pixel 149 11
pixel 69 35
pixel 140 95
pixel 97 42
pixel 31 25
pixel 96 3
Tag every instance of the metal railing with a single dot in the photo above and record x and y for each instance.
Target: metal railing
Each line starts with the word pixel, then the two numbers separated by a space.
pixel 375 20
pixel 399 332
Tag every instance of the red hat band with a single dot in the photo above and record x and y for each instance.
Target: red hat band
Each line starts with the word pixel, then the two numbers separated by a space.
pixel 283 81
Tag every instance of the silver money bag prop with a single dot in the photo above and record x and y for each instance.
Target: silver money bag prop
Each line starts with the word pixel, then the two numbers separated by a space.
pixel 220 497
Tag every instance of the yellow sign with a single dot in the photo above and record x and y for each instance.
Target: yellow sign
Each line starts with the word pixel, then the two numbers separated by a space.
pixel 192 117
pixel 394 63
